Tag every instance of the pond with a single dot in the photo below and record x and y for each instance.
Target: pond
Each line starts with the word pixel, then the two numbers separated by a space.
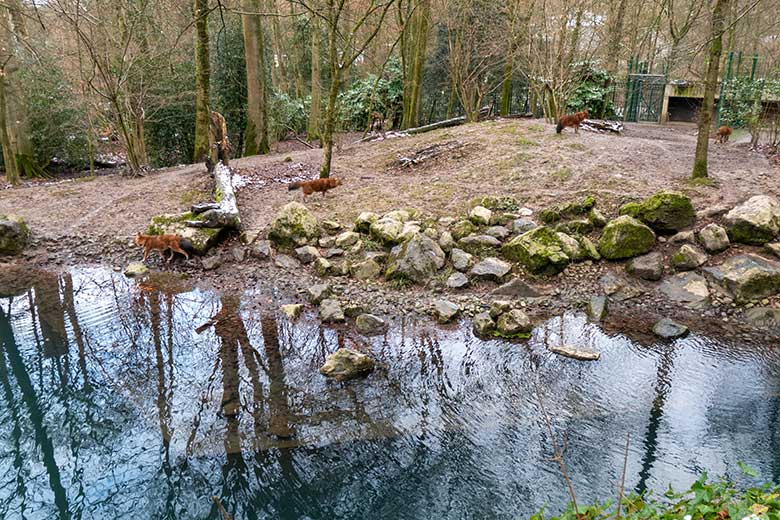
pixel 122 400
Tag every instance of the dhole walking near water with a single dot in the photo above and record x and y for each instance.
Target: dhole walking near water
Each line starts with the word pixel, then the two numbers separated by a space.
pixel 571 120
pixel 309 187
pixel 162 242
pixel 723 134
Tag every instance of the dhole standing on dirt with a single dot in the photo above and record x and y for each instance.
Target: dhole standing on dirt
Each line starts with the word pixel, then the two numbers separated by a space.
pixel 162 243
pixel 309 187
pixel 723 134
pixel 571 120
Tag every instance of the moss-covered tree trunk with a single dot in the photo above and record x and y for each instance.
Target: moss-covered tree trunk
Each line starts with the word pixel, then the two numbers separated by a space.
pixel 16 103
pixel 313 128
pixel 201 11
pixel 11 171
pixel 256 140
pixel 330 120
pixel 413 49
pixel 277 64
pixel 710 86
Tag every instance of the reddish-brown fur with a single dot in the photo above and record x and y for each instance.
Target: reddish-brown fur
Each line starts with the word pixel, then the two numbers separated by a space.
pixel 571 120
pixel 309 187
pixel 724 132
pixel 160 242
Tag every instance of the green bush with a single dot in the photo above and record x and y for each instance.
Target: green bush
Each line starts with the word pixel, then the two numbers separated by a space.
pixel 287 114
pixel 170 129
pixel 356 102
pixel 58 122
pixel 704 500
pixel 595 91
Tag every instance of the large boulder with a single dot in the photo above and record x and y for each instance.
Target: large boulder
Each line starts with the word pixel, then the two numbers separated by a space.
pixel 689 289
pixel 461 260
pixel 540 250
pixel 370 324
pixel 346 364
pixel 294 226
pixel 490 269
pixel 387 230
pixel 669 329
pixel 483 324
pixel 714 238
pixel 14 234
pixel 417 260
pixel 665 212
pixel 625 237
pixel 747 276
pixel 201 238
pixel 368 269
pixel 347 239
pixel 480 215
pixel 478 243
pixel 756 221
pixel 462 228
pixel 513 323
pixel 445 311
pixel 364 220
pixel 331 311
pixel 647 267
pixel 688 258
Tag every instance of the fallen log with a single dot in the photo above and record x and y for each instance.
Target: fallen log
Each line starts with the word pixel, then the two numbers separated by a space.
pixel 601 126
pixel 225 215
pixel 455 121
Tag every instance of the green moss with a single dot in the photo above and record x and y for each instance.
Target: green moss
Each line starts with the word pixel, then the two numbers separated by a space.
pixel 625 237
pixel 518 335
pixel 462 228
pixel 631 209
pixel 575 227
pixel 550 215
pixel 294 226
pixel 540 250
pixel 667 211
pixel 495 203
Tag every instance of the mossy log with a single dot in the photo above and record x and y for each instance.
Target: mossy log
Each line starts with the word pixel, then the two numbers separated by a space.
pixel 226 214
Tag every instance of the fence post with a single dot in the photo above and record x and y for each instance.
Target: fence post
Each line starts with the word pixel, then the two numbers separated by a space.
pixel 753 68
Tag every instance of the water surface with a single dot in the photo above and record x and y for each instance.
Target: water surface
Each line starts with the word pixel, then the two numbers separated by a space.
pixel 112 405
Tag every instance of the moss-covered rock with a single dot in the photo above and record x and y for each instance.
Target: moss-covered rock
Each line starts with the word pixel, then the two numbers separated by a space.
pixel 665 212
pixel 575 227
pixel 346 364
pixel 496 203
pixel 462 228
pixel 625 237
pixel 202 238
pixel 387 230
pixel 14 234
pixel 364 220
pixel 756 221
pixel 294 226
pixel 540 250
pixel 417 260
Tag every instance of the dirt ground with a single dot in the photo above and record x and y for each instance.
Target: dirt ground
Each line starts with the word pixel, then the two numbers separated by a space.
pixel 521 158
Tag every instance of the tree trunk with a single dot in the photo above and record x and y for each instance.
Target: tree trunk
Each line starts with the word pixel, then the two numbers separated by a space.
pixel 615 38
pixel 313 129
pixel 278 65
pixel 201 80
pixel 330 120
pixel 710 86
pixel 256 140
pixel 506 86
pixel 9 157
pixel 18 126
pixel 415 42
